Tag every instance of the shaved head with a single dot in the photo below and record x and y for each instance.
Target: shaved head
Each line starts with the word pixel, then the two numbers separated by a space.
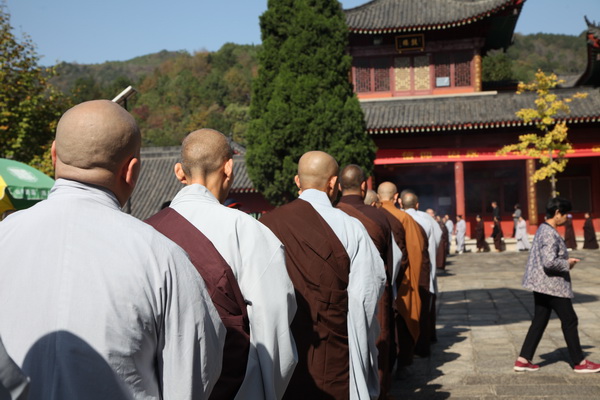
pixel 315 170
pixel 95 137
pixel 204 152
pixel 371 197
pixel 409 200
pixel 387 191
pixel 352 178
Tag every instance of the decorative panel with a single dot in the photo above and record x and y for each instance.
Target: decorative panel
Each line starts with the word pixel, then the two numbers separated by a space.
pixel 442 62
pixel 462 69
pixel 422 76
pixel 402 74
pixel 381 74
pixel 362 78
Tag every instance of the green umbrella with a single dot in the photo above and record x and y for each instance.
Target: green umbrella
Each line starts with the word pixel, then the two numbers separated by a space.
pixel 21 186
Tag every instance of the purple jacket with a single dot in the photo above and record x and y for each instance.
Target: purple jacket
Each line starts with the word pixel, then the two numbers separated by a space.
pixel 548 266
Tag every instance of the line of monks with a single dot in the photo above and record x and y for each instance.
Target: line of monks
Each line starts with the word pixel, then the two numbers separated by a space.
pixel 313 301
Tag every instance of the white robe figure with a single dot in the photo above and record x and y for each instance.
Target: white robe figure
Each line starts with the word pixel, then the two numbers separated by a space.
pixel 366 283
pixel 521 235
pixel 450 227
pixel 461 230
pixel 257 259
pixel 96 304
pixel 434 236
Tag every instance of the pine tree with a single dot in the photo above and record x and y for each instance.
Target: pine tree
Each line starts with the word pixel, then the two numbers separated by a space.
pixel 302 98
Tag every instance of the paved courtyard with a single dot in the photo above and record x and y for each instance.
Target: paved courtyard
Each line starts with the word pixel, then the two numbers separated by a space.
pixel 483 316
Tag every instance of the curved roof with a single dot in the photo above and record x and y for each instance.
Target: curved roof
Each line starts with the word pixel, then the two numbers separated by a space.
pixel 482 111
pixel 388 16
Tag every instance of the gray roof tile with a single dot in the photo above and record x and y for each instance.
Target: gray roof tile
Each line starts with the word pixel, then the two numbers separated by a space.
pixel 396 14
pixel 483 110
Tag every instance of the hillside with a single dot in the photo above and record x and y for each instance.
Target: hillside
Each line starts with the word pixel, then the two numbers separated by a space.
pixel 179 92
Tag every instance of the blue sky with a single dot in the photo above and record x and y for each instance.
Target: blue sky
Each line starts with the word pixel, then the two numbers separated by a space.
pixel 87 31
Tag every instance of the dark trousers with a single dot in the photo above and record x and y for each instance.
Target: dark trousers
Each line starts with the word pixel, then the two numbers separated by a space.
pixel 544 304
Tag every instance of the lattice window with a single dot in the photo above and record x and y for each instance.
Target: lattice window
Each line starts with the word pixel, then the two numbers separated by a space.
pixel 402 74
pixel 443 63
pixel 462 69
pixel 422 77
pixel 362 75
pixel 381 74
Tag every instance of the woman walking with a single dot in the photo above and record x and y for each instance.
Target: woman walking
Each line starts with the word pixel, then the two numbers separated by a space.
pixel 521 235
pixel 547 274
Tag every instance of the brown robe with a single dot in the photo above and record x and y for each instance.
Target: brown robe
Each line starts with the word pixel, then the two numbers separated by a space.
pixel 319 266
pixel 589 235
pixel 440 259
pixel 480 237
pixel 497 235
pixel 570 240
pixel 224 292
pixel 408 301
pixel 380 233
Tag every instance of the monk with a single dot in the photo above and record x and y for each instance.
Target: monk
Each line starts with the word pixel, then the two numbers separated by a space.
pixel 407 303
pixel 339 277
pixel 353 185
pixel 371 199
pixel 409 202
pixel 246 262
pixel 589 233
pixel 105 307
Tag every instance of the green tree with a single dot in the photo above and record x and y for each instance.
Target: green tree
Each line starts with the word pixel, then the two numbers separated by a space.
pixel 29 106
pixel 496 66
pixel 302 98
pixel 552 144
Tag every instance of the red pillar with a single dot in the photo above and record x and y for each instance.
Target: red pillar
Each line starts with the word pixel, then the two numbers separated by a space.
pixel 532 210
pixel 459 185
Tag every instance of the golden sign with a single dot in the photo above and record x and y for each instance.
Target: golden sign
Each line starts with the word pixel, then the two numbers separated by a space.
pixel 410 42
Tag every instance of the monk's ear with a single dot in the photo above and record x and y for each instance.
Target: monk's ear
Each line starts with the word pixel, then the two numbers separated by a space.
pixel 53 153
pixel 297 181
pixel 131 171
pixel 228 169
pixel 178 169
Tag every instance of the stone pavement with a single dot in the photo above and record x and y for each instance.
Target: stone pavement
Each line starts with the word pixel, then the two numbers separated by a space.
pixel 483 316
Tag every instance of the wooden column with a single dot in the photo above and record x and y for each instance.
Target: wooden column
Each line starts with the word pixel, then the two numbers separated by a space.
pixel 531 193
pixel 459 185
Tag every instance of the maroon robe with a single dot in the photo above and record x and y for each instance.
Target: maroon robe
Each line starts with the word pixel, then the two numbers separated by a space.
pixel 570 240
pixel 318 266
pixel 480 237
pixel 224 292
pixel 440 258
pixel 589 235
pixel 380 233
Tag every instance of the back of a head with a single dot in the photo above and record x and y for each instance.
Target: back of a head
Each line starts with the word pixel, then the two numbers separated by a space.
pixel 387 191
pixel 351 179
pixel 409 199
pixel 204 151
pixel 371 197
pixel 93 139
pixel 559 204
pixel 315 169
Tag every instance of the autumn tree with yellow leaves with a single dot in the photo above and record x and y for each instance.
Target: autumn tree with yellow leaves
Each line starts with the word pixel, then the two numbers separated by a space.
pixel 551 145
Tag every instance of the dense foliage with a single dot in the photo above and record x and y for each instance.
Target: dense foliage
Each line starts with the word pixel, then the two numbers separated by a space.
pixel 564 55
pixel 302 99
pixel 29 106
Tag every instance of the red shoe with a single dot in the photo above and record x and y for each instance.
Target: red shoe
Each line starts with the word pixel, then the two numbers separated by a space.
pixel 526 367
pixel 587 367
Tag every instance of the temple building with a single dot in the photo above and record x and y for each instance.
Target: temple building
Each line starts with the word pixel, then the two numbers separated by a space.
pixel 417 71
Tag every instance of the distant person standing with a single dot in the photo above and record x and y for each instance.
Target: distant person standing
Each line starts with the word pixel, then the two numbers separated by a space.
pixel 450 227
pixel 516 215
pixel 589 233
pixel 495 210
pixel 482 245
pixel 461 230
pixel 497 235
pixel 521 235
pixel 570 239
pixel 548 275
